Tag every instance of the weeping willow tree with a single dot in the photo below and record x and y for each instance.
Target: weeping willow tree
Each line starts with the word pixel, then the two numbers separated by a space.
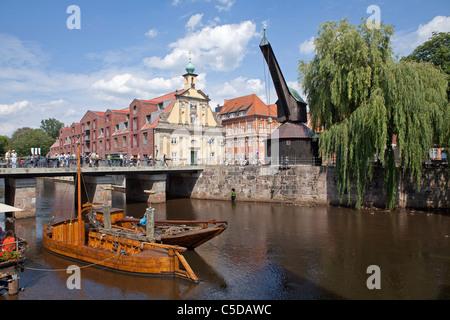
pixel 362 101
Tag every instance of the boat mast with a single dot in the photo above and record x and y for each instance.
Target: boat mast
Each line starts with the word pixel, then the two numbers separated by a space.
pixel 80 231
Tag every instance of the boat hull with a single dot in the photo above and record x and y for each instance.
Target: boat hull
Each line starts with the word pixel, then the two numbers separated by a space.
pixel 192 239
pixel 123 255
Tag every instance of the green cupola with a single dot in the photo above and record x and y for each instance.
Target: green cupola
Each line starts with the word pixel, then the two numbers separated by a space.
pixel 190 67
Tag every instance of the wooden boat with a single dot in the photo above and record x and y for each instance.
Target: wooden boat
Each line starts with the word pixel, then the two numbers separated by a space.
pixel 186 233
pixel 76 239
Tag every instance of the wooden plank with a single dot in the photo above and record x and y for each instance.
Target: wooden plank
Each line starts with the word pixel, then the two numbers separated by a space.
pixel 190 272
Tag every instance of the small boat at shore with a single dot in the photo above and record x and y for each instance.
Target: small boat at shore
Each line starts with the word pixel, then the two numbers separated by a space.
pixel 81 240
pixel 185 233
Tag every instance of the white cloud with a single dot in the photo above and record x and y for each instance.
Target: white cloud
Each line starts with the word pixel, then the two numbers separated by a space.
pixel 220 48
pixel 16 53
pixel 405 42
pixel 8 109
pixel 122 88
pixel 239 87
pixel 194 21
pixel 152 33
pixel 225 5
pixel 27 114
pixel 307 47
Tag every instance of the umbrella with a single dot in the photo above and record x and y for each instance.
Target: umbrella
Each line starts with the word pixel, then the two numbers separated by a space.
pixel 6 208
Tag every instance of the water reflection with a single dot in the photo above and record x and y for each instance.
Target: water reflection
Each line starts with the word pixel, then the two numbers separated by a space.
pixel 269 251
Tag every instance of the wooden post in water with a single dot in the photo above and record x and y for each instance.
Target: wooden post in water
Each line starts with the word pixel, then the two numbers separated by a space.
pixel 106 217
pixel 80 220
pixel 150 226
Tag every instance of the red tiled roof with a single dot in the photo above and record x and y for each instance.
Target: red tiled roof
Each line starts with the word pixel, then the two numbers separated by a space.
pixel 156 122
pixel 123 131
pixel 161 98
pixel 100 113
pixel 126 110
pixel 251 102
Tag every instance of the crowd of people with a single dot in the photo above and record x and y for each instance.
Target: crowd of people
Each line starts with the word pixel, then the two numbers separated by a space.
pixel 11 159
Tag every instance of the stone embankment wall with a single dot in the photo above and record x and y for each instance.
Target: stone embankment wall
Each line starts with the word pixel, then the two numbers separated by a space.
pixel 308 185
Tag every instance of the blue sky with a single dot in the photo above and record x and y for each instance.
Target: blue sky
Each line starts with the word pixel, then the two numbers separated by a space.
pixel 139 48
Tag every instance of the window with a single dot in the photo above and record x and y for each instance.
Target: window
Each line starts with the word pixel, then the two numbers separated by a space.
pixel 193 119
pixel 174 141
pixel 145 135
pixel 117 128
pixel 260 127
pixel 135 140
pixel 174 157
pixel 135 124
pixel 250 128
pixel 116 144
pixel 242 128
pixel 124 144
pixel 235 129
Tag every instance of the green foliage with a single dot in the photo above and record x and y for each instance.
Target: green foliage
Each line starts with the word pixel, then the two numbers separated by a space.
pixel 363 101
pixel 436 50
pixel 24 139
pixel 51 127
pixel 4 143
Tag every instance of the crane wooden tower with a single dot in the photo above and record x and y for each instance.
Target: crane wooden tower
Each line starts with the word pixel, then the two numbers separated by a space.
pixel 296 142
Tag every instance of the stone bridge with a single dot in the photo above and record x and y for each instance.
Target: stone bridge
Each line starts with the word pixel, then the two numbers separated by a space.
pixel 97 182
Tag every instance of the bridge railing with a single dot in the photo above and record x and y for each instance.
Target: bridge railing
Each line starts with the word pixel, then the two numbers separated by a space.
pixel 26 162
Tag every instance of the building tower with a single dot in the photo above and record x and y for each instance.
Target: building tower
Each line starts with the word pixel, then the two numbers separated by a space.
pixel 189 76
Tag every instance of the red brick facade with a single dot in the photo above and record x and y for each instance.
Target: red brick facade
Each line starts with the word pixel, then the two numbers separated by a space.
pixel 112 132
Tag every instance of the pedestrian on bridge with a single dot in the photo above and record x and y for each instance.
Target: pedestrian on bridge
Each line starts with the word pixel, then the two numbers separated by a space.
pixel 14 159
pixel 8 158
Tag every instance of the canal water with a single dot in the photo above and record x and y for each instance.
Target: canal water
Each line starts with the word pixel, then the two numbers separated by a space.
pixel 269 252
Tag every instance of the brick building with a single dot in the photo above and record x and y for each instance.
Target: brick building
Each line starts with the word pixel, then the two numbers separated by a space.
pixel 179 125
pixel 248 122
